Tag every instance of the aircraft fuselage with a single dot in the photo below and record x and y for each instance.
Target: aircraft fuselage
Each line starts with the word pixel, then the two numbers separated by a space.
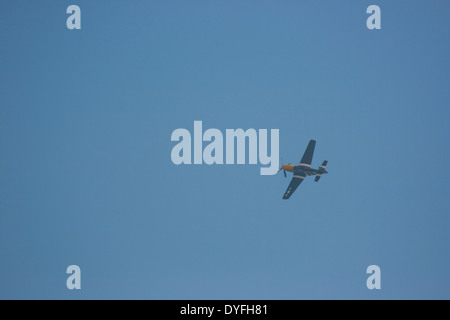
pixel 307 170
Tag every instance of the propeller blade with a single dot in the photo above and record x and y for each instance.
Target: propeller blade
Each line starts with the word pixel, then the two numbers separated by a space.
pixel 284 171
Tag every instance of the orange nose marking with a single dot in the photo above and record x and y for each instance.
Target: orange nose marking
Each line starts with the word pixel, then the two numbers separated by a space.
pixel 288 168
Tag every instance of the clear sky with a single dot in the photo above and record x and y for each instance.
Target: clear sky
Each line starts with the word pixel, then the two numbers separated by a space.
pixel 86 176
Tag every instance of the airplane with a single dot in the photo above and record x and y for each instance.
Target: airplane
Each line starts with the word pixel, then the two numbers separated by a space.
pixel 303 170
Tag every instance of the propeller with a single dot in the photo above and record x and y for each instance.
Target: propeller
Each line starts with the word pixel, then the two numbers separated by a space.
pixel 284 171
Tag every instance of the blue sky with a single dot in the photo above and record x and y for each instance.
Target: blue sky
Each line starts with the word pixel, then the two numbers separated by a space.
pixel 86 176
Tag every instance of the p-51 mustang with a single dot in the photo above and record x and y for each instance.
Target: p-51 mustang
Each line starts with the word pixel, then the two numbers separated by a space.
pixel 303 170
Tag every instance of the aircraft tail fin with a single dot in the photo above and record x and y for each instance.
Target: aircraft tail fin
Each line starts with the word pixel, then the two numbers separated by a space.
pixel 322 170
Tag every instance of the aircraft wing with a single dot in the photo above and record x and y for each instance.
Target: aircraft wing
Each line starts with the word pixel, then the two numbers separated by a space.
pixel 309 152
pixel 295 182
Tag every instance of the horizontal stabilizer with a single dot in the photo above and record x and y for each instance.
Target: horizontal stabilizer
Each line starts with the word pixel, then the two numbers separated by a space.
pixel 322 170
